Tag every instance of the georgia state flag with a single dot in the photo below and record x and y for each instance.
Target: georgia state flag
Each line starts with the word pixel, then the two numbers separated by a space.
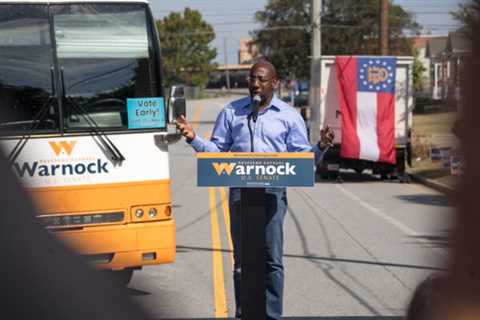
pixel 366 91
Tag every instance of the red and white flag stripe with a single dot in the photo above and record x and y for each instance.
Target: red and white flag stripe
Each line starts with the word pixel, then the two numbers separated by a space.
pixel 367 102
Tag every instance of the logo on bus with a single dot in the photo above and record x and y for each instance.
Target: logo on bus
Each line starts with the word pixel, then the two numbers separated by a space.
pixel 62 147
pixel 62 167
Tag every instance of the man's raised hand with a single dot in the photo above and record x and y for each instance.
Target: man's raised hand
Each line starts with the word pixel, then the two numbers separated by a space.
pixel 185 128
pixel 327 135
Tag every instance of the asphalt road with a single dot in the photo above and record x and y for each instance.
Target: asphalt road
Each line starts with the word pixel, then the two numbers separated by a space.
pixel 352 251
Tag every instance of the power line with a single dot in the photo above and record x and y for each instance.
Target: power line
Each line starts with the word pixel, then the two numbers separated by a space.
pixel 176 34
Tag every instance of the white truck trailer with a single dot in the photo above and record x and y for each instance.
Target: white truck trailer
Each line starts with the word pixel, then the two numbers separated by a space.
pixel 330 114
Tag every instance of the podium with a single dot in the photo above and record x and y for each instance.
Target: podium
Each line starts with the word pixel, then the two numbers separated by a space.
pixel 253 172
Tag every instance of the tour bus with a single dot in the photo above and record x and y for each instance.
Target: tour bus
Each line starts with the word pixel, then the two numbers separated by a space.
pixel 84 124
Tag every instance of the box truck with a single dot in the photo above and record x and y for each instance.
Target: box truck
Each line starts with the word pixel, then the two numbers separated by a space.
pixel 330 115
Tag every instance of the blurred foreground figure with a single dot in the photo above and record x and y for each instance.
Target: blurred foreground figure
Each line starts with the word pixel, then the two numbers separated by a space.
pixel 426 298
pixel 461 300
pixel 42 279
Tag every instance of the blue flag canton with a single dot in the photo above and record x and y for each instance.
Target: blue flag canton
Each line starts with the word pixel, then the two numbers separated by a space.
pixel 376 74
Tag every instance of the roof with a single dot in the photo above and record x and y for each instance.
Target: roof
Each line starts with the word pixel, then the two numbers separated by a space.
pixel 224 67
pixel 435 46
pixel 420 42
pixel 458 43
pixel 70 1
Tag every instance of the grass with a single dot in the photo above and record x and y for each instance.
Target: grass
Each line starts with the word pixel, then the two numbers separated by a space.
pixel 424 128
pixel 434 123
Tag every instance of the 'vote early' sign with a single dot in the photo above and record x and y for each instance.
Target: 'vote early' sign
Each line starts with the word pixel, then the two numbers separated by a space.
pixel 146 113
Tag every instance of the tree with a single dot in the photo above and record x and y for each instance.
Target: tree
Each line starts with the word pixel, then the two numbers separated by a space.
pixel 348 27
pixel 418 71
pixel 468 15
pixel 184 40
pixel 285 37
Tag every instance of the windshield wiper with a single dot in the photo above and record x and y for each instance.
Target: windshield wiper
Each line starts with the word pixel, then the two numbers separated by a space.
pixel 37 119
pixel 104 139
pixel 116 155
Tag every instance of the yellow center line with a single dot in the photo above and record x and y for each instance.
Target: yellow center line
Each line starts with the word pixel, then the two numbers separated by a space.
pixel 221 310
pixel 226 219
pixel 196 117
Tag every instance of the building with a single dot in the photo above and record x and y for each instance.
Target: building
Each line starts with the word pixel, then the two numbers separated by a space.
pixel 247 52
pixel 457 51
pixel 234 76
pixel 230 76
pixel 447 57
pixel 439 67
pixel 420 45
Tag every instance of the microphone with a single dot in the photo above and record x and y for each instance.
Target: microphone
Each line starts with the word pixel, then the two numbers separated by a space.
pixel 256 100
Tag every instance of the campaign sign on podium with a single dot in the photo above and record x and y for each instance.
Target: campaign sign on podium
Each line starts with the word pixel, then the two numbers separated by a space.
pixel 255 170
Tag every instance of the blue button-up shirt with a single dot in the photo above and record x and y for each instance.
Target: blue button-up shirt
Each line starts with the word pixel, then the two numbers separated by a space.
pixel 279 128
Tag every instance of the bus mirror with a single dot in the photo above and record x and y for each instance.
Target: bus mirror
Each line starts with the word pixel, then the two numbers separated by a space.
pixel 179 107
pixel 176 103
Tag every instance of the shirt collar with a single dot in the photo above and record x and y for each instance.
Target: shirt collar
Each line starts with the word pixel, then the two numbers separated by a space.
pixel 275 103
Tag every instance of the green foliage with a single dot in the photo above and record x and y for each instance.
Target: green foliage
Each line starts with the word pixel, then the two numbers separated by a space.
pixel 468 15
pixel 349 27
pixel 418 72
pixel 287 48
pixel 352 28
pixel 184 40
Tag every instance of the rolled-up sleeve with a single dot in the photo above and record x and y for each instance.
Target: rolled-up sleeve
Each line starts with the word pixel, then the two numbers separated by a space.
pixel 221 139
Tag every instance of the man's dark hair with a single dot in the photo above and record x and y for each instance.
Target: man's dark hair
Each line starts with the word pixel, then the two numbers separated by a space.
pixel 262 61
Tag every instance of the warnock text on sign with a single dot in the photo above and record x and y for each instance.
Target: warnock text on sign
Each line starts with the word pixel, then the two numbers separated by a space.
pixel 255 169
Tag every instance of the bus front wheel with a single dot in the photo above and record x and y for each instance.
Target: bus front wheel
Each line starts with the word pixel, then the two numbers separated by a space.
pixel 121 277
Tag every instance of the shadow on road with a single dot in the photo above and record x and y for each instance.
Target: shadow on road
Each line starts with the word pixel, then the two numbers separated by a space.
pixel 435 241
pixel 136 292
pixel 312 257
pixel 351 177
pixel 427 199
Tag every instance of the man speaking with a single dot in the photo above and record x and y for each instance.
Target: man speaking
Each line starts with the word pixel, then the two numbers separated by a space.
pixel 259 123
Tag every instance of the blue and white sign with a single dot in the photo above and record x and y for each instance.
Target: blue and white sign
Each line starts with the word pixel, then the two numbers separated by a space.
pixel 146 113
pixel 255 170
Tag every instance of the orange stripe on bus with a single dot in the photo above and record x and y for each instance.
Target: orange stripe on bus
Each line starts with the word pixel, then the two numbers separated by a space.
pixel 101 197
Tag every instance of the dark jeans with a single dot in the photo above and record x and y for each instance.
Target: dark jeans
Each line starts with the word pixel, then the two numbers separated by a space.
pixel 276 207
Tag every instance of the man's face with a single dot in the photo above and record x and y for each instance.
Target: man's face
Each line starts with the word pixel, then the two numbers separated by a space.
pixel 262 82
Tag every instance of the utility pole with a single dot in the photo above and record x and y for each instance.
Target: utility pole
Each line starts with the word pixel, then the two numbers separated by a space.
pixel 225 55
pixel 384 27
pixel 315 94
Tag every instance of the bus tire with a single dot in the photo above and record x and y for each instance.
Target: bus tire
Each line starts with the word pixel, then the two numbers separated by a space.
pixel 120 277
pixel 124 276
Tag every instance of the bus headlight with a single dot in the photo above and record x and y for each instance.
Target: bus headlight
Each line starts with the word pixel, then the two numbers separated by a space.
pixel 152 212
pixel 139 213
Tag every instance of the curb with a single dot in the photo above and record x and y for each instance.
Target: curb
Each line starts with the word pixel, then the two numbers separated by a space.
pixel 432 184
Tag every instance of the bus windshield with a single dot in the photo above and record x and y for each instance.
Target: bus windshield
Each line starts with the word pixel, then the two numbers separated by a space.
pixel 103 54
pixel 26 83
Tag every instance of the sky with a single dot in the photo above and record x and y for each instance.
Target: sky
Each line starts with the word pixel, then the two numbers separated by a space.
pixel 234 19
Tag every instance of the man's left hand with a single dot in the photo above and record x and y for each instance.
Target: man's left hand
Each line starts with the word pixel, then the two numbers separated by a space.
pixel 326 137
